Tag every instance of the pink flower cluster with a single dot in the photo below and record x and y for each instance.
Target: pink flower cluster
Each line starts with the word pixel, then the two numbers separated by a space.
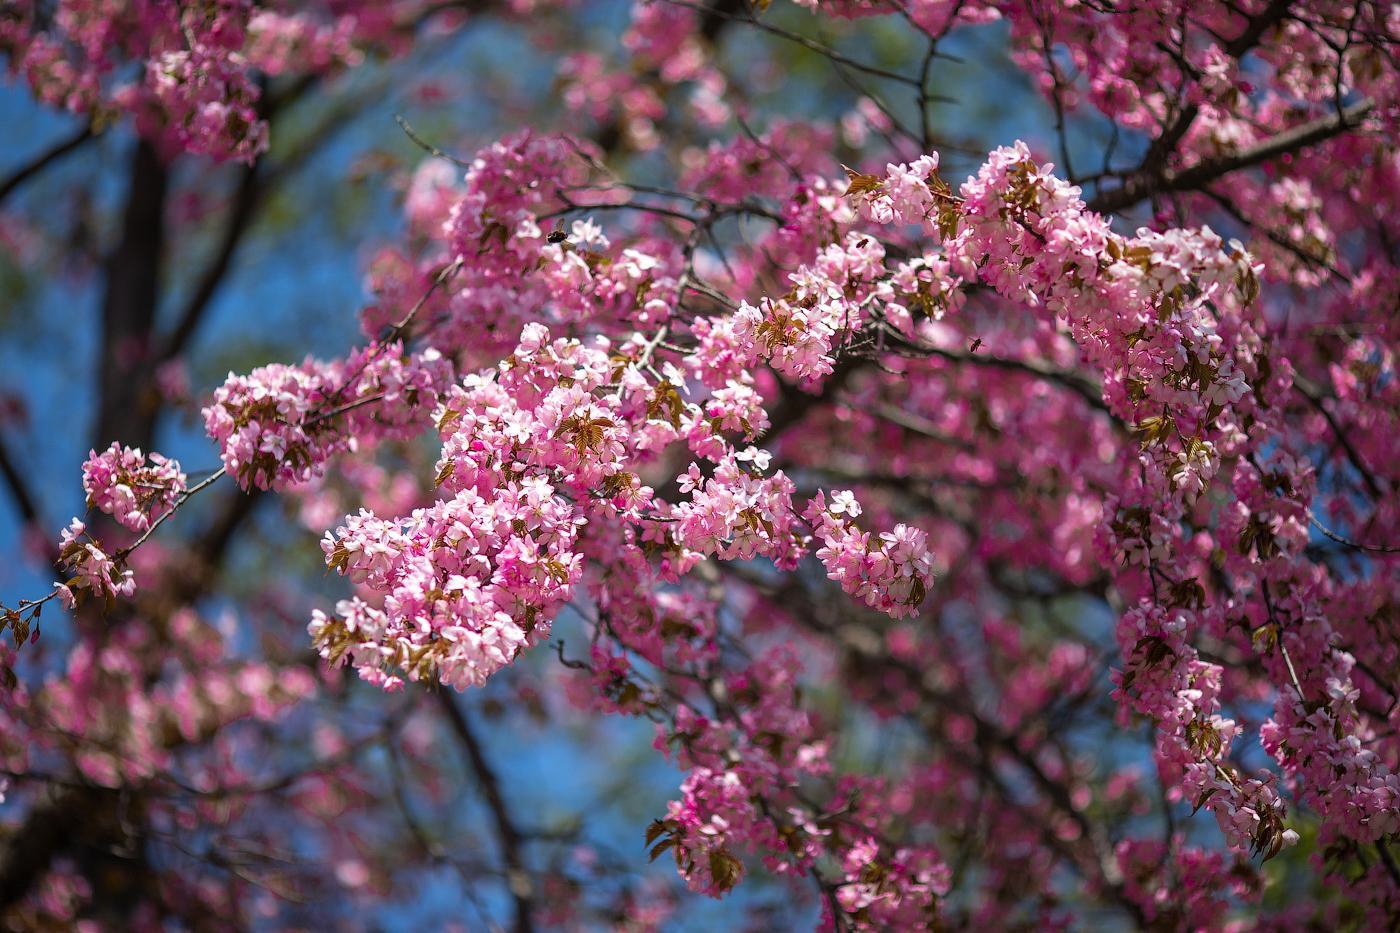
pixel 539 415
pixel 904 193
pixel 145 705
pixel 1194 898
pixel 737 513
pixel 194 93
pixel 735 761
pixel 514 270
pixel 666 58
pixel 277 426
pixel 197 89
pixel 471 581
pixel 797 333
pixel 891 572
pixel 94 571
pixel 1176 367
pixel 279 42
pixel 201 100
pixel 466 585
pixel 131 487
pixel 899 891
pixel 263 424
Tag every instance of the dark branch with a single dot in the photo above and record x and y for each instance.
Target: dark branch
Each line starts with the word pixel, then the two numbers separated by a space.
pixel 1142 185
pixel 1314 396
pixel 1163 146
pixel 125 380
pixel 509 835
pixel 24 497
pixel 42 161
pixel 240 216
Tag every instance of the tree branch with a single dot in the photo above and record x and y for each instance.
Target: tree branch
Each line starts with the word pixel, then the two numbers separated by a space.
pixel 245 201
pixel 1313 394
pixel 25 500
pixel 1141 185
pixel 517 875
pixel 865 646
pixel 1163 146
pixel 129 304
pixel 42 161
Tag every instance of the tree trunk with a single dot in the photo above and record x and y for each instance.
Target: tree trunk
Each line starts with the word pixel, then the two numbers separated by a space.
pixel 127 403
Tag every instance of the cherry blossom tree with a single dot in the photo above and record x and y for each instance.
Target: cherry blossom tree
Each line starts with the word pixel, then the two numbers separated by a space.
pixel 989 514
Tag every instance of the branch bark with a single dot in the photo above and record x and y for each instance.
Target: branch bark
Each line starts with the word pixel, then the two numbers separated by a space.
pixel 1093 859
pixel 1142 185
pixel 508 834
pixel 42 161
pixel 25 500
pixel 125 380
pixel 1163 146
pixel 245 202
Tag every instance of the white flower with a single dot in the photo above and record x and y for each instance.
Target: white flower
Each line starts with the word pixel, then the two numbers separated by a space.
pixel 844 503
